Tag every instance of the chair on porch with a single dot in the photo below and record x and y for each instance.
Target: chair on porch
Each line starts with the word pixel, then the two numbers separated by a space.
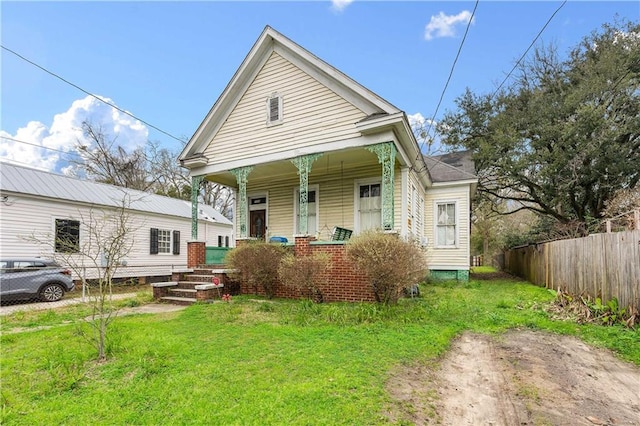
pixel 340 234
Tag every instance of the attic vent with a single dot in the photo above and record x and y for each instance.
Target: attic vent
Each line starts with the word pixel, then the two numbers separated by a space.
pixel 274 109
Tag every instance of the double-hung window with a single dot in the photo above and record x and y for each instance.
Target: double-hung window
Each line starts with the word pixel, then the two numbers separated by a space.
pixel 164 241
pixel 446 224
pixel 369 206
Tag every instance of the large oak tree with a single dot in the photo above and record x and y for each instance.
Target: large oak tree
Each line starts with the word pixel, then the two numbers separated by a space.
pixel 565 136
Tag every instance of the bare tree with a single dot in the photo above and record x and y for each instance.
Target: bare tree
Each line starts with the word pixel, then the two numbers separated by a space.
pixel 104 240
pixel 151 169
pixel 106 162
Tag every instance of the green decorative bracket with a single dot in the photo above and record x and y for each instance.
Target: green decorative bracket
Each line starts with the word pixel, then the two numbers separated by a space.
pixel 303 163
pixel 386 153
pixel 241 174
pixel 195 192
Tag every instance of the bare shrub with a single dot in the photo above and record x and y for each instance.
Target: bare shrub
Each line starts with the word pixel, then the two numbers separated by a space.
pixel 257 264
pixel 304 273
pixel 390 263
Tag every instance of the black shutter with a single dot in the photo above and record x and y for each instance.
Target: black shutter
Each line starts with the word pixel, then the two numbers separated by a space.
pixel 226 241
pixel 176 242
pixel 219 240
pixel 153 247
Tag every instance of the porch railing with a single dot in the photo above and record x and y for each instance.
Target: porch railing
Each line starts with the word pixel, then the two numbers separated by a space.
pixel 216 255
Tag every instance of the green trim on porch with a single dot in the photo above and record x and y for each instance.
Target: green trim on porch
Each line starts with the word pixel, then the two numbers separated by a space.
pixel 216 255
pixel 454 275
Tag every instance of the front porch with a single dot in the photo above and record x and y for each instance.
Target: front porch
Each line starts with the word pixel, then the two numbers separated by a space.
pixel 355 188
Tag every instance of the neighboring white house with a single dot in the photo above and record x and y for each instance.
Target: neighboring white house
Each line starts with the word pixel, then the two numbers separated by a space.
pixel 38 208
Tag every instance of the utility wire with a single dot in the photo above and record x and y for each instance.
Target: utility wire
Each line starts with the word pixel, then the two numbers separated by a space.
pixel 40 146
pixel 528 48
pixel 89 93
pixel 453 66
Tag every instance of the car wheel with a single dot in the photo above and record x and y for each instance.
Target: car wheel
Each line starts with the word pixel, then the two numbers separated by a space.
pixel 51 292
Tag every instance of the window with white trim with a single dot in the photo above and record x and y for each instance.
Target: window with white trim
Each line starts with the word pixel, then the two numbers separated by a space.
pixel 312 210
pixel 274 109
pixel 446 223
pixel 164 241
pixel 370 206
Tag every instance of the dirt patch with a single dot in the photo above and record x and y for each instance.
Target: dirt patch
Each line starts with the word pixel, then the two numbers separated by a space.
pixel 519 378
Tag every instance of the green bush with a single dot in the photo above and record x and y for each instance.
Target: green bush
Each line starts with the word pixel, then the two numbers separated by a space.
pixel 304 273
pixel 390 263
pixel 256 264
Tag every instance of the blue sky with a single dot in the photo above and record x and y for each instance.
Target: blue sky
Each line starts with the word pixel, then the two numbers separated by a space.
pixel 167 62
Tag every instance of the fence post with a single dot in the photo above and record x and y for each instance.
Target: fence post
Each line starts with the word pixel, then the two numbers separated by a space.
pixel 608 224
pixel 636 219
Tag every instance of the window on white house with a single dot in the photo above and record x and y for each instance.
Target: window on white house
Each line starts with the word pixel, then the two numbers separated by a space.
pixel 312 211
pixel 67 236
pixel 446 225
pixel 164 241
pixel 370 206
pixel 274 109
pixel 220 241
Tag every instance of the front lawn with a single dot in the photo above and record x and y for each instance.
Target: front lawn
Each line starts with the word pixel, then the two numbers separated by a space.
pixel 257 361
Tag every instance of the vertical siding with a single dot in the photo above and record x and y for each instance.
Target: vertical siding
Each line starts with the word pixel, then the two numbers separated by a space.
pixel 599 265
pixel 448 258
pixel 312 115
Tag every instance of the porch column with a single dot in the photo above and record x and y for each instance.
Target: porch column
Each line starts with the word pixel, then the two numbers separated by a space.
pixel 386 152
pixel 303 163
pixel 195 192
pixel 241 174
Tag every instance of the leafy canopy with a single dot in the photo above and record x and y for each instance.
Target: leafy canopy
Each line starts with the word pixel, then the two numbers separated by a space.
pixel 566 135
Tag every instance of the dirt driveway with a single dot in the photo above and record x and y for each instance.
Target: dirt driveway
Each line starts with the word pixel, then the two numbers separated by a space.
pixel 519 378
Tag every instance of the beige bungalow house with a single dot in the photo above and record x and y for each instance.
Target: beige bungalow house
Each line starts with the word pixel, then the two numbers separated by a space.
pixel 310 152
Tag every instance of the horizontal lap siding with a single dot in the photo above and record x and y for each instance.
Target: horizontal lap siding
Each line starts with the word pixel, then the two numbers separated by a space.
pixel 336 198
pixel 29 216
pixel 312 115
pixel 448 257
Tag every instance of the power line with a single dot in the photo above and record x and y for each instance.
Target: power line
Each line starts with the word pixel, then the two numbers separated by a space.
pixel 453 66
pixel 89 93
pixel 39 146
pixel 528 48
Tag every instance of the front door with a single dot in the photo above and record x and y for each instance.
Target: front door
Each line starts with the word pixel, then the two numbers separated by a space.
pixel 257 223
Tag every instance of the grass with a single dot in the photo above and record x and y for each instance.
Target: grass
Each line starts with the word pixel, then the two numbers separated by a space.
pixel 257 361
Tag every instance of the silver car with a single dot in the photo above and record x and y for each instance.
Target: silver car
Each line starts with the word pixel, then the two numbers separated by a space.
pixel 33 278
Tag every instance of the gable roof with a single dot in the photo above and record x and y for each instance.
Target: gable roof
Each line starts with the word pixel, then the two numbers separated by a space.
pixel 272 41
pixel 26 180
pixel 450 167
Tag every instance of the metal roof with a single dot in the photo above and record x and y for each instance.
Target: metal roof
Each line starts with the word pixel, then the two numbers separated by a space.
pixel 26 180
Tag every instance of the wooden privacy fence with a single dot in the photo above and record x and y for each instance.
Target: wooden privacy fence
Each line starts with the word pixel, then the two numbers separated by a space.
pixel 600 265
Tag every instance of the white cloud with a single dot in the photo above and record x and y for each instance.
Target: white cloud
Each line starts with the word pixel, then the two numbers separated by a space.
pixel 50 148
pixel 442 25
pixel 340 5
